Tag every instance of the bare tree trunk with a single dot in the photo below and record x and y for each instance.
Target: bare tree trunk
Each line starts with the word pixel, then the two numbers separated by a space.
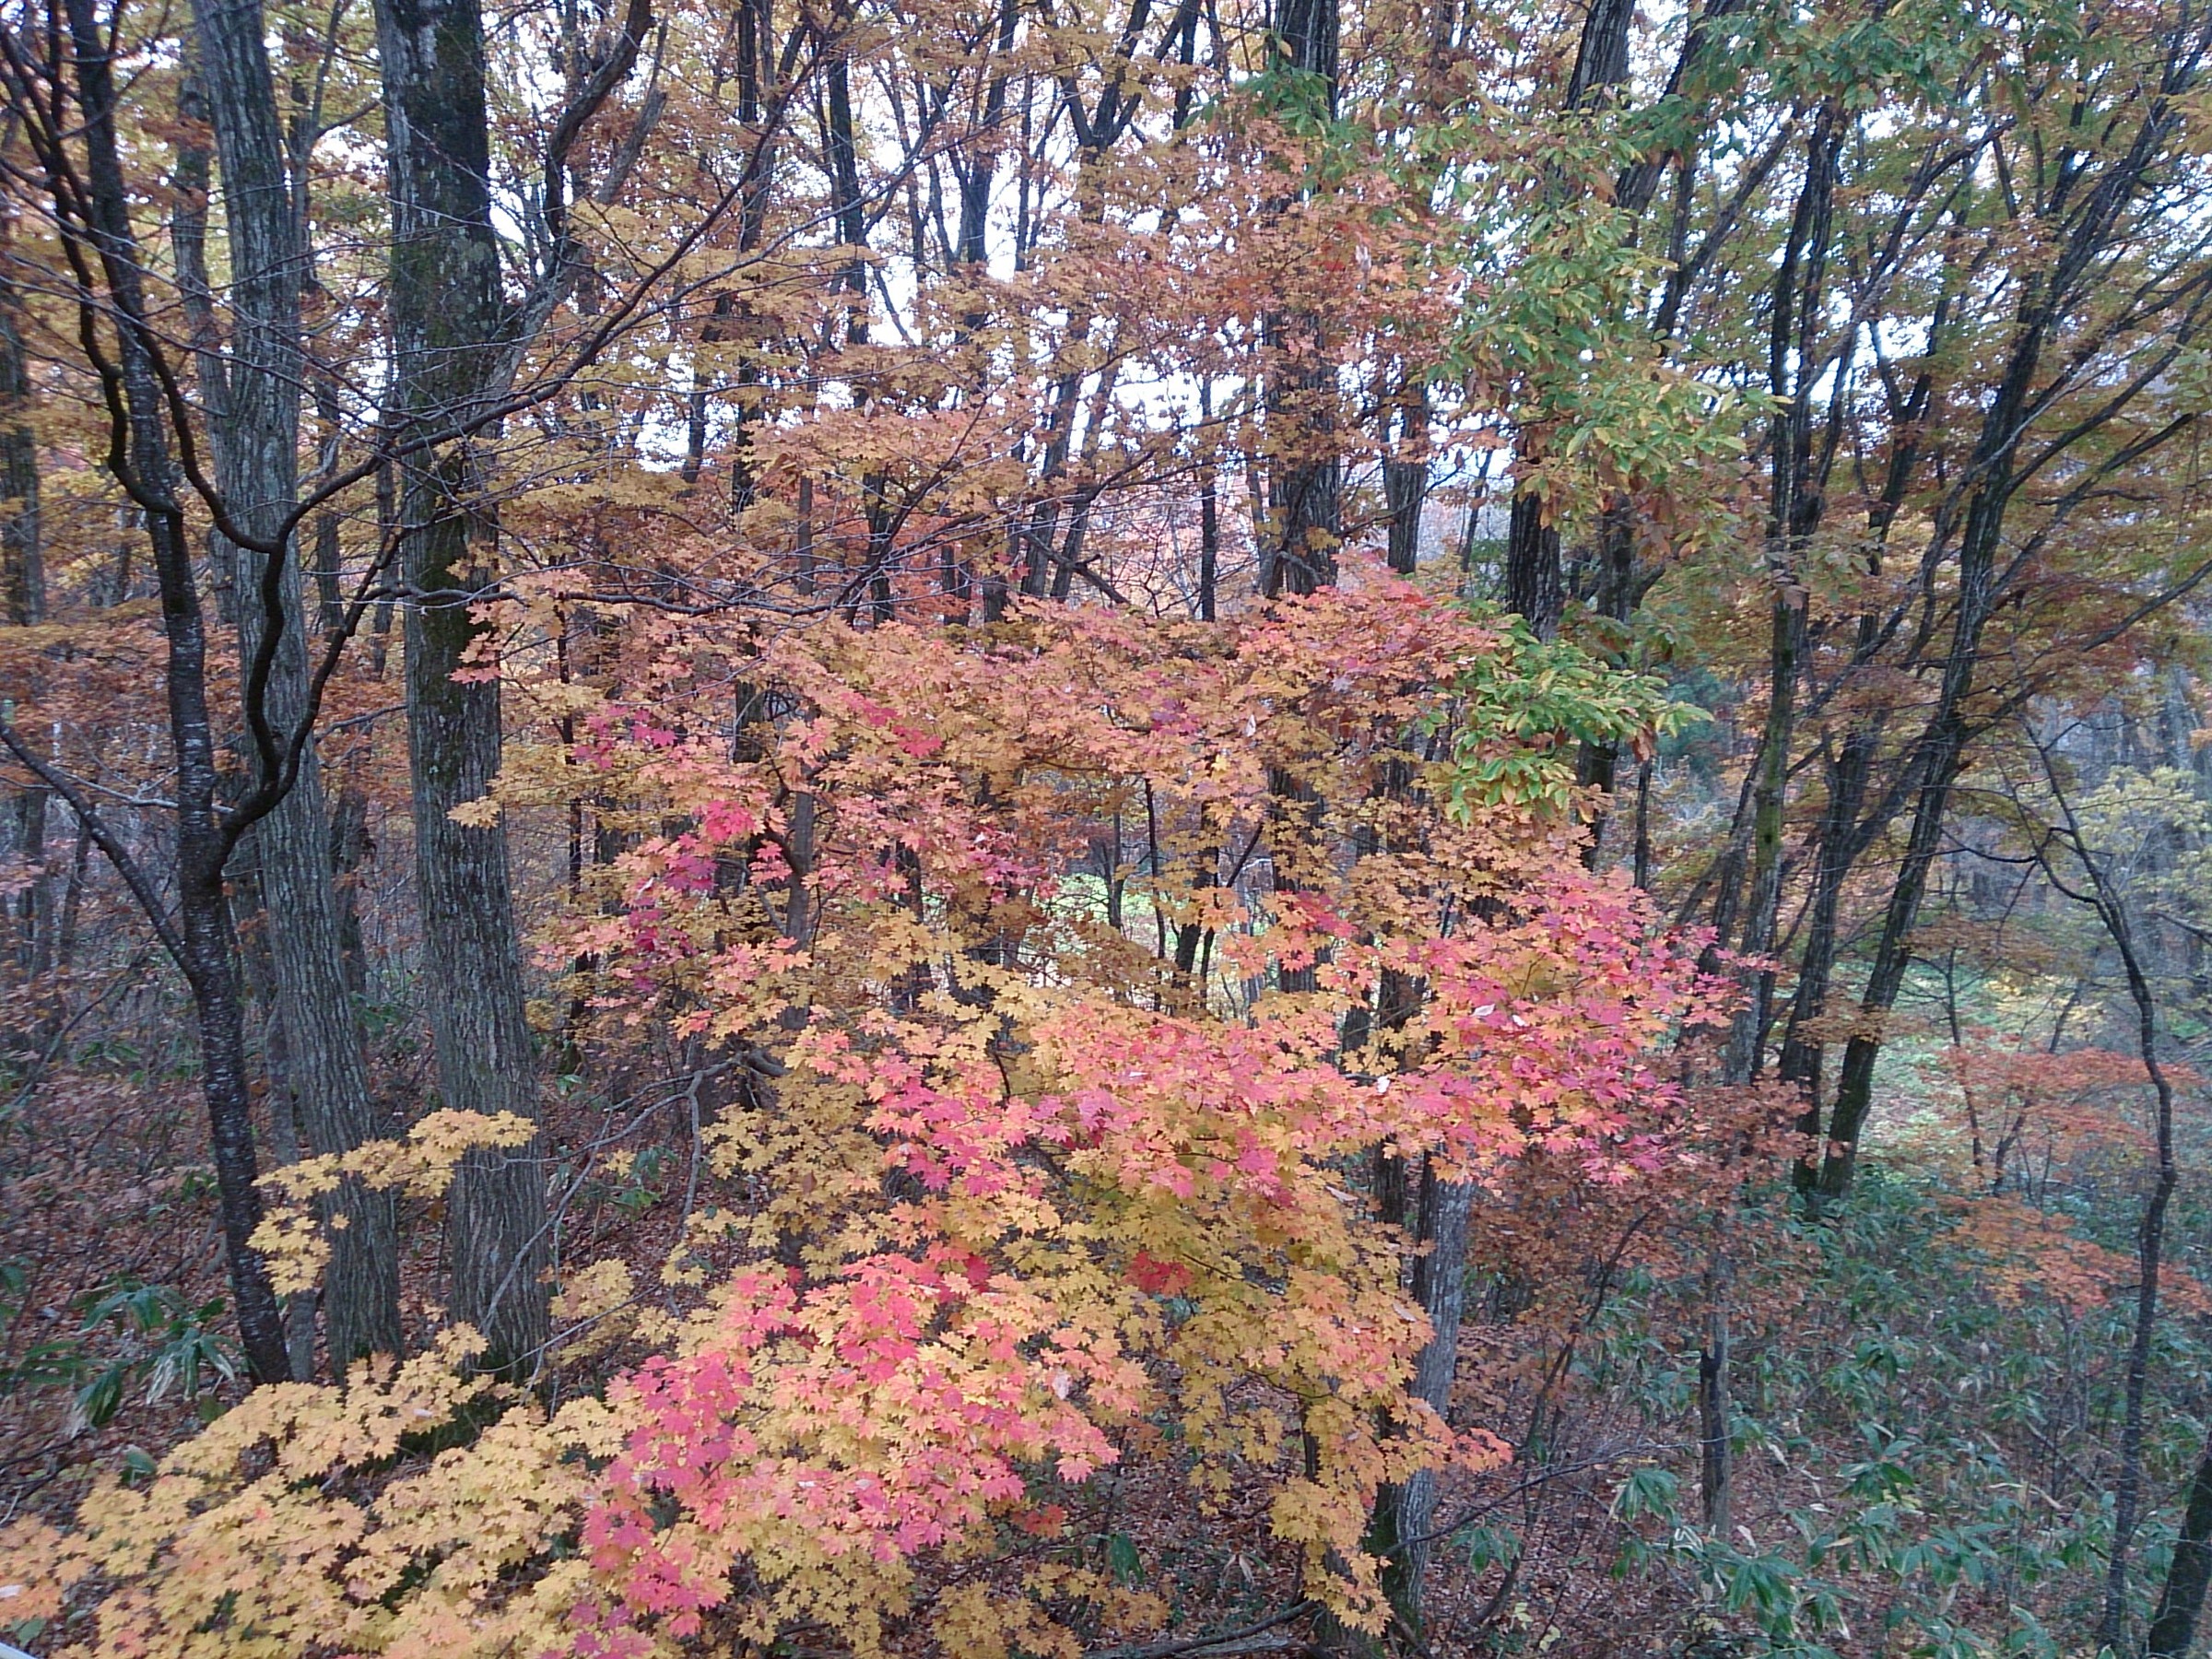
pixel 256 450
pixel 1716 1409
pixel 1209 506
pixel 1801 1051
pixel 1406 475
pixel 2111 905
pixel 447 326
pixel 2181 1600
pixel 280 1100
pixel 23 603
pixel 22 566
pixel 1794 365
pixel 105 253
pixel 1305 483
pixel 1535 582
pixel 1442 1212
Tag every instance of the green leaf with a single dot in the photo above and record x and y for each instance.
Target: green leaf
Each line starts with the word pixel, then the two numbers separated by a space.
pixel 99 1400
pixel 1647 1491
pixel 1122 1558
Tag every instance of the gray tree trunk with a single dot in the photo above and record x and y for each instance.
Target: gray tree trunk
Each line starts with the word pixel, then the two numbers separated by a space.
pixel 23 603
pixel 1305 481
pixel 201 940
pixel 1794 362
pixel 256 437
pixel 448 332
pixel 1442 1213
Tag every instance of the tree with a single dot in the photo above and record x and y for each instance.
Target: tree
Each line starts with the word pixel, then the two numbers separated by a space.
pixel 1074 1242
pixel 254 429
pixel 94 217
pixel 448 323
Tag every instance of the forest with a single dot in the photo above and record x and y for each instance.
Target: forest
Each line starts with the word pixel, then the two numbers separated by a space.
pixel 1105 829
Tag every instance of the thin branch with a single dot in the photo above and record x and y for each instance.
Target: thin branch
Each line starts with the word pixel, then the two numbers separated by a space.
pixel 109 843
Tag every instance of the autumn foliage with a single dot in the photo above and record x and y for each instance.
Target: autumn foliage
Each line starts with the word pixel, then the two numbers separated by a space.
pixel 1032 1203
pixel 1127 829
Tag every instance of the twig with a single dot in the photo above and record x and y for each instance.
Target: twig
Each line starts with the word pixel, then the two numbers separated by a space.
pixel 1198 1644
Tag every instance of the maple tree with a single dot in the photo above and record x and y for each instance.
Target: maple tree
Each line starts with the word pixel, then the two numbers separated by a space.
pixel 1052 1189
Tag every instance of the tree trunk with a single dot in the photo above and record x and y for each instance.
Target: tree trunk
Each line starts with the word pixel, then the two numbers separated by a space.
pixel 1305 487
pixel 1802 1049
pixel 202 942
pixel 447 326
pixel 1442 1216
pixel 1716 1409
pixel 256 450
pixel 1209 506
pixel 1305 484
pixel 23 603
pixel 1796 501
pixel 22 566
pixel 2182 1600
pixel 1535 579
pixel 1406 476
pixel 280 1100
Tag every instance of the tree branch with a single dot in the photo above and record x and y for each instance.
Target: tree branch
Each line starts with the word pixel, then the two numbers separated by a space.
pixel 133 876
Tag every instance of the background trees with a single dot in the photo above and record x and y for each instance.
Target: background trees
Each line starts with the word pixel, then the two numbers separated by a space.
pixel 1043 657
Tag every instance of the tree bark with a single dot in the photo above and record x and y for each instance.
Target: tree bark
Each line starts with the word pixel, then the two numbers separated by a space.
pixel 1305 482
pixel 2181 1600
pixel 1716 1407
pixel 1209 505
pixel 255 439
pixel 139 456
pixel 1442 1213
pixel 1406 477
pixel 1802 1048
pixel 23 603
pixel 280 1100
pixel 22 565
pixel 448 332
pixel 1535 580
pixel 1795 502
